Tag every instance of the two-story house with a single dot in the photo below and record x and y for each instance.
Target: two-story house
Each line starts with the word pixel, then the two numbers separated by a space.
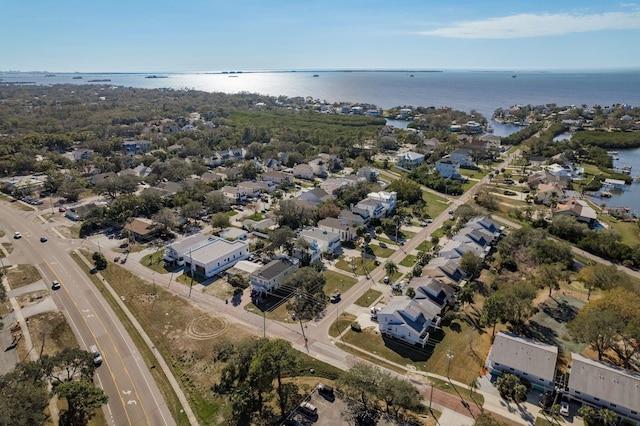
pixel 448 168
pixel 409 160
pixel 234 194
pixel 270 277
pixel 326 241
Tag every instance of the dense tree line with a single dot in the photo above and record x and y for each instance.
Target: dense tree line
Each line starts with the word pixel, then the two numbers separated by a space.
pixel 24 395
pixel 608 140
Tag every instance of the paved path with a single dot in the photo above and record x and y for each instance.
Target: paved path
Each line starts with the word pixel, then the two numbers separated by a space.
pixel 37 286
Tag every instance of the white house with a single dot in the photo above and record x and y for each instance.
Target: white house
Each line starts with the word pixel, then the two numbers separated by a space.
pixel 525 358
pixel 388 199
pixel 409 160
pixel 234 194
pixel 215 256
pixel 603 385
pixel 335 225
pixel 355 217
pixel 270 277
pixel 462 156
pixel 374 208
pixel 233 234
pixel 316 195
pixel 326 241
pixel 455 249
pixel 448 168
pixel 277 177
pixel 408 320
pixel 303 171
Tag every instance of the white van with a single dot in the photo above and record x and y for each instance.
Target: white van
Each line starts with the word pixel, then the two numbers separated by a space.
pixel 97 358
pixel 309 409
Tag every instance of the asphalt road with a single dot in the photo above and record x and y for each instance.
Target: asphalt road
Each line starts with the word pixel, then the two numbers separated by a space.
pixel 134 397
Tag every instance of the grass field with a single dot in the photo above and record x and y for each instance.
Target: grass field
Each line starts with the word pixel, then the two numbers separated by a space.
pixel 337 282
pixel 22 275
pixel 380 251
pixel 155 262
pixel 409 261
pixel 368 298
pixel 357 262
pixel 435 204
pixel 341 324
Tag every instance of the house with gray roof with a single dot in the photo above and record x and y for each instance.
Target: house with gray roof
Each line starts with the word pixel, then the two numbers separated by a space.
pixel 603 385
pixel 525 358
pixel 454 249
pixel 335 225
pixel 355 217
pixel 325 241
pixel 214 256
pixel 447 270
pixel 270 277
pixel 408 320
pixel 409 160
pixel 316 195
pixel 434 290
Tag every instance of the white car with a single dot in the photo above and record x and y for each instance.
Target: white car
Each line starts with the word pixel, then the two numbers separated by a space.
pixel 564 408
pixel 17 235
pixel 55 285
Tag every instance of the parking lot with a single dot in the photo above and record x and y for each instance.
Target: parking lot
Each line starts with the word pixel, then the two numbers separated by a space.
pixel 332 411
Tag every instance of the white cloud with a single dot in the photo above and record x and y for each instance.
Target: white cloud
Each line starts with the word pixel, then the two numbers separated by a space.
pixel 532 25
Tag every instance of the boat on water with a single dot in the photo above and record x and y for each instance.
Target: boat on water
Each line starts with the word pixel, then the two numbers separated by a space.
pixel 101 80
pixel 50 75
pixel 513 76
pixel 411 75
pixel 77 78
pixel 612 152
pixel 156 76
pixel 316 75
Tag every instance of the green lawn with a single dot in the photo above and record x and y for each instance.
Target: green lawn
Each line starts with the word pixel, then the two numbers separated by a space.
pixel 380 251
pixel 409 261
pixel 474 174
pixel 627 230
pixel 425 246
pixel 337 282
pixel 435 203
pixel 468 346
pixel 368 298
pixel 155 262
pixel 357 262
pixel 341 324
pixel 256 216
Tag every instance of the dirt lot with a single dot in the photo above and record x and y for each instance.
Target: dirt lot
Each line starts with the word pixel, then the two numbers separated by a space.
pixel 22 275
pixel 50 333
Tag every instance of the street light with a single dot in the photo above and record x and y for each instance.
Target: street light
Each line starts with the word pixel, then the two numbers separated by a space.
pixel 449 358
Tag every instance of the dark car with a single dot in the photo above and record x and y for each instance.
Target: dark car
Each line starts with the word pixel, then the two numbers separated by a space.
pixel 335 297
pixel 55 285
pixel 43 239
pixel 325 390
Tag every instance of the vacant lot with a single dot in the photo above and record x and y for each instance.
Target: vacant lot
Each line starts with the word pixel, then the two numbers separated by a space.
pixel 22 275
pixel 368 298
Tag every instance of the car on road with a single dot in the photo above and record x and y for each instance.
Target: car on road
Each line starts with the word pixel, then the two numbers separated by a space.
pixel 17 235
pixel 564 408
pixel 62 209
pixel 97 358
pixel 55 285
pixel 43 239
pixel 335 297
pixel 450 211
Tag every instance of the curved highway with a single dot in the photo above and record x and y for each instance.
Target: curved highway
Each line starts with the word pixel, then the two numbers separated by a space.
pixel 134 398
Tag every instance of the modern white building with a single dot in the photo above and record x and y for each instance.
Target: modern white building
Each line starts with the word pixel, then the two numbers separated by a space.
pixel 215 256
pixel 525 358
pixel 174 253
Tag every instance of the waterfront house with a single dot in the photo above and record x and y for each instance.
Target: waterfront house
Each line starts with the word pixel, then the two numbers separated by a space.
pixel 525 358
pixel 473 127
pixel 578 209
pixel 548 192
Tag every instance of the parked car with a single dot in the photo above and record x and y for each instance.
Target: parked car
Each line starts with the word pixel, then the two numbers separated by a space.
pixel 62 209
pixel 386 279
pixel 325 390
pixel 564 408
pixel 308 409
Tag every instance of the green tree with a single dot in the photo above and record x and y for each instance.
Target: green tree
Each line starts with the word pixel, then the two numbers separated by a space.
pixel 309 299
pixel 510 386
pixel 597 325
pixel 22 399
pixel 467 292
pixel 83 397
pixel 493 309
pixel 273 360
pixel 608 417
pixel 71 362
pixel 165 218
pixel 220 220
pixel 588 414
pixel 471 264
pixel 411 292
pixel 391 268
pixel 601 277
pixel 99 260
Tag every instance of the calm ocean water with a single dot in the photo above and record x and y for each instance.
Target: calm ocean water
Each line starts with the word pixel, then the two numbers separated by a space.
pixel 463 90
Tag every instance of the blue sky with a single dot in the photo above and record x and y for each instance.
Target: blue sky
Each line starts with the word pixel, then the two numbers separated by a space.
pixel 211 35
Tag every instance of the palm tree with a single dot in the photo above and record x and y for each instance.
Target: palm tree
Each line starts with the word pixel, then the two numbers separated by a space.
pixel 608 417
pixel 391 268
pixel 588 414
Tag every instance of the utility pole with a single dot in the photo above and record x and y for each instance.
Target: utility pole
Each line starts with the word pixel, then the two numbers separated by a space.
pixel 303 335
pixel 264 324
pixel 449 359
